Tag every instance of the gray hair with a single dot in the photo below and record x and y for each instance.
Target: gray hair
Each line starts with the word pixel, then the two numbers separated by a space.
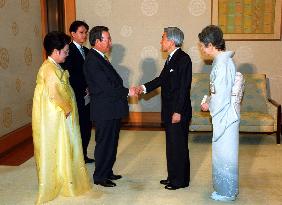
pixel 175 34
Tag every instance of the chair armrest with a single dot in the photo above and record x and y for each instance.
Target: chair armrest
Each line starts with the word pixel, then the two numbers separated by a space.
pixel 274 109
pixel 273 102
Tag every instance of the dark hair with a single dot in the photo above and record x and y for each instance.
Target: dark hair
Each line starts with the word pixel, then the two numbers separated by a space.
pixel 214 35
pixel 74 26
pixel 96 33
pixel 55 40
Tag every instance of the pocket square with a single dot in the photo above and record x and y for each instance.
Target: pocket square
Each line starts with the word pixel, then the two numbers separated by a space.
pixel 171 70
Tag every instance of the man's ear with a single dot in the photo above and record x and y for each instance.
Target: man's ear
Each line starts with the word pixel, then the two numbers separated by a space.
pixel 97 41
pixel 72 34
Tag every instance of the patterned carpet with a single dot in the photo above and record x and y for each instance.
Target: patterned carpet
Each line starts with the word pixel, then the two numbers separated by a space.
pixel 141 161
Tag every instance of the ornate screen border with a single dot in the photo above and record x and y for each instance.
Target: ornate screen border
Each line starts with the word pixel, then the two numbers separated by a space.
pixel 275 35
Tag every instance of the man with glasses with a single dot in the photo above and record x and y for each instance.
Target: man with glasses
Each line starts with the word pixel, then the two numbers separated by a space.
pixel 108 104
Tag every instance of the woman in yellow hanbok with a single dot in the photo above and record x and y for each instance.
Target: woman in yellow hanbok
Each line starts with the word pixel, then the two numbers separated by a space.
pixel 56 136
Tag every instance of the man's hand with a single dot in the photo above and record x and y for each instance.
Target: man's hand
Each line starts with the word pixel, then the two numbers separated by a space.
pixel 133 92
pixel 176 117
pixel 139 89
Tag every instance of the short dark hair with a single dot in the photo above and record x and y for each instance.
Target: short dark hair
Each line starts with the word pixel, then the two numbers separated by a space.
pixel 214 35
pixel 96 33
pixel 74 26
pixel 55 40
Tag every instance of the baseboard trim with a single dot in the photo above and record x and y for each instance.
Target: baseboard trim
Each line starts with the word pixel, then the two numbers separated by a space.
pixel 134 120
pixel 14 138
pixel 143 120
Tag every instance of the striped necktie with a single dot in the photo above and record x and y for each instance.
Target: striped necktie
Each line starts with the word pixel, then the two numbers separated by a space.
pixel 106 58
pixel 82 52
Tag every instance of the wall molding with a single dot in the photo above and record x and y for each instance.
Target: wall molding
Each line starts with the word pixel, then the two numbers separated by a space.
pixel 142 120
pixel 43 24
pixel 134 120
pixel 69 14
pixel 69 17
pixel 14 138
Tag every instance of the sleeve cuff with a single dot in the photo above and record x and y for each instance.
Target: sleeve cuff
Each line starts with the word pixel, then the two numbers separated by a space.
pixel 144 89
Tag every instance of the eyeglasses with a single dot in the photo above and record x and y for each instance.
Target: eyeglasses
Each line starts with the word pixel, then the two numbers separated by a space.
pixel 109 39
pixel 201 45
pixel 66 52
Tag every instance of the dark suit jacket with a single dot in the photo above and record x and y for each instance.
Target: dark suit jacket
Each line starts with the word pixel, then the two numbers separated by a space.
pixel 108 95
pixel 175 81
pixel 74 64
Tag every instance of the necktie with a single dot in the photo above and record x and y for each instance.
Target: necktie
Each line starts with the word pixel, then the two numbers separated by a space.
pixel 106 58
pixel 167 59
pixel 82 52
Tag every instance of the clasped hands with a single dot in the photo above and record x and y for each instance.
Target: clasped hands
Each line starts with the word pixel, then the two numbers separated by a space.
pixel 136 91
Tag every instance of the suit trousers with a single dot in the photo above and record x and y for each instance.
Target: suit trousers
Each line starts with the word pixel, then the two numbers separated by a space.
pixel 177 153
pixel 85 125
pixel 106 137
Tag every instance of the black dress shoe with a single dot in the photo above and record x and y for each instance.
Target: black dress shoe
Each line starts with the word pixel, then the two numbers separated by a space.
pixel 114 177
pixel 105 183
pixel 172 187
pixel 88 160
pixel 164 182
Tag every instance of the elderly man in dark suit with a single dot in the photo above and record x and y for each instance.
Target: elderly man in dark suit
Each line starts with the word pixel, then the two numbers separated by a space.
pixel 74 64
pixel 175 81
pixel 108 104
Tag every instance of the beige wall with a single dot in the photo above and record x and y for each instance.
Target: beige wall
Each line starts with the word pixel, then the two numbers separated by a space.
pixel 20 58
pixel 136 27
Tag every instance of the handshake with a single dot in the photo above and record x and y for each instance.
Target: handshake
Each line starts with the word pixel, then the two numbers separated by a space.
pixel 136 91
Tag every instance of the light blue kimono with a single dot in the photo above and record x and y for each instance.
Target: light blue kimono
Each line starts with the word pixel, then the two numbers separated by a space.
pixel 225 113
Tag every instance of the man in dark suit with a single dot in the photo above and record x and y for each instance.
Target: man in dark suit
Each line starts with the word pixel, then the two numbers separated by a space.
pixel 175 81
pixel 108 104
pixel 74 64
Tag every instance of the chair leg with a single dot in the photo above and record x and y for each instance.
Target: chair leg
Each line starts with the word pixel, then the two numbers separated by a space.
pixel 278 133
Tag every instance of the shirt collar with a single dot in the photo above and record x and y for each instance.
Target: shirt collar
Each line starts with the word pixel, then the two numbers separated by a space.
pixel 102 54
pixel 171 54
pixel 77 45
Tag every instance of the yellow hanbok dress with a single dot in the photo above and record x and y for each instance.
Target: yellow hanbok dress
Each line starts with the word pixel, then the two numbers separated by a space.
pixel 57 142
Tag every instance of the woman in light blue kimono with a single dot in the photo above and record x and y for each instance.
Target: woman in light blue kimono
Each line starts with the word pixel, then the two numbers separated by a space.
pixel 224 109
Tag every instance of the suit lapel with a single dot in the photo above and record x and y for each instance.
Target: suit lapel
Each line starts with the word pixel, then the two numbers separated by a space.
pixel 174 57
pixel 101 59
pixel 76 51
pixel 108 67
pixel 85 50
pixel 171 65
